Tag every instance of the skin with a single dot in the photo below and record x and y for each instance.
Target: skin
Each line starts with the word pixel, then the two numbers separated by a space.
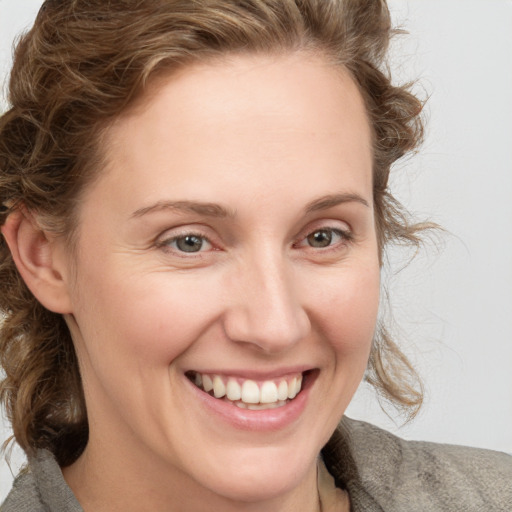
pixel 264 137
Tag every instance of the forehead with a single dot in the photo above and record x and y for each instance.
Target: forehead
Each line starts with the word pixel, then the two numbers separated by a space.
pixel 283 116
pixel 258 86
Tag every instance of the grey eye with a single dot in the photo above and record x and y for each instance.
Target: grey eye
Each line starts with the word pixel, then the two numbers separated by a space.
pixel 189 243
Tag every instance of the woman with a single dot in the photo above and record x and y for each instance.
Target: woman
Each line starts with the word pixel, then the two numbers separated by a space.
pixel 195 207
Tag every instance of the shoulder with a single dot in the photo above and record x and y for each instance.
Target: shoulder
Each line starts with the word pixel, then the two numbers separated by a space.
pixel 429 476
pixel 23 496
pixel 41 488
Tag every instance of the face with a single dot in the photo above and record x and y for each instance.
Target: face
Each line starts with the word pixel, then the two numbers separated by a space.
pixel 230 243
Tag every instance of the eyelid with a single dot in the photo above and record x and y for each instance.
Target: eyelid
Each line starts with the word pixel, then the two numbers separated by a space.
pixel 327 225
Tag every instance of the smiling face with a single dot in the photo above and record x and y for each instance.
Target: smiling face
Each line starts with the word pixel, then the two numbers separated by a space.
pixel 230 243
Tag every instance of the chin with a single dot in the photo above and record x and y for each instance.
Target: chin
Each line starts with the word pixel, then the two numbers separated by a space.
pixel 260 485
pixel 260 474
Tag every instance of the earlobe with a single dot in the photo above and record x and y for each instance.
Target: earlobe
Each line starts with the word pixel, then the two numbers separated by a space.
pixel 34 254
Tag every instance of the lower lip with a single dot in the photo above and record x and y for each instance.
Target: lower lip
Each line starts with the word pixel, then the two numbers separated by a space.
pixel 267 420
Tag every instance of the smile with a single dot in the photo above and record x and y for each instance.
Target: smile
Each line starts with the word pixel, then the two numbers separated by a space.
pixel 247 393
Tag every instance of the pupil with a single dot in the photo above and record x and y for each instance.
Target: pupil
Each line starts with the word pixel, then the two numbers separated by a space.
pixel 320 239
pixel 189 243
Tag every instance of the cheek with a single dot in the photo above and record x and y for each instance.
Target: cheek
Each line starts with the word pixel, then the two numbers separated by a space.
pixel 348 311
pixel 151 317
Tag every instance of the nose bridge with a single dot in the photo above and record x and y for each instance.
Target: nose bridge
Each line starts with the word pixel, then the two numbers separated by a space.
pixel 267 310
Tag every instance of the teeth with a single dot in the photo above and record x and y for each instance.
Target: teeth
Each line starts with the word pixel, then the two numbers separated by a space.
pixel 291 388
pixel 268 392
pixel 282 390
pixel 207 383
pixel 250 392
pixel 298 385
pixel 294 387
pixel 219 389
pixel 233 390
pixel 250 395
pixel 261 407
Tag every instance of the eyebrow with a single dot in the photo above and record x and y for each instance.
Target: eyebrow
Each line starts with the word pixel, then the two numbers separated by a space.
pixel 330 201
pixel 219 211
pixel 205 209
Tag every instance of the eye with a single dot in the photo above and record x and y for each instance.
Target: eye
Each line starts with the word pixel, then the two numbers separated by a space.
pixel 187 243
pixel 321 238
pixel 325 237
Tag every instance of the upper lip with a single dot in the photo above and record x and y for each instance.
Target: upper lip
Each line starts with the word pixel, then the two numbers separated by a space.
pixel 255 374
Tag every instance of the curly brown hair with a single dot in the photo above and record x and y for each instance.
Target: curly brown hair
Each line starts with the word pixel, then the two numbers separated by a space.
pixel 85 62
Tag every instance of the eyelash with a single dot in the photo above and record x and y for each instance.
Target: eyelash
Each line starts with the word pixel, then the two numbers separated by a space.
pixel 345 237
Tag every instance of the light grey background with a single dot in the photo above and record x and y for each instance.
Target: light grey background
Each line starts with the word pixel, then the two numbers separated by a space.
pixel 453 306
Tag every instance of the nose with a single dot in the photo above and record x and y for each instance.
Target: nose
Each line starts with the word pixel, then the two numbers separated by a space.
pixel 265 307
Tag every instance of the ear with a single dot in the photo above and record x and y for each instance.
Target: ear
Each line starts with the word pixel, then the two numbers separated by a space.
pixel 39 260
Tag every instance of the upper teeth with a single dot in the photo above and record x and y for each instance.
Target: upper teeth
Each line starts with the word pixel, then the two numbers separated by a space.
pixel 250 391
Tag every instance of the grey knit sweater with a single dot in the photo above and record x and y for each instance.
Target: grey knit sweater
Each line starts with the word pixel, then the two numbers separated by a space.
pixel 381 472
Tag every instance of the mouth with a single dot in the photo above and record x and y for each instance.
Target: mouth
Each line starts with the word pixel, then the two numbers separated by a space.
pixel 251 394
